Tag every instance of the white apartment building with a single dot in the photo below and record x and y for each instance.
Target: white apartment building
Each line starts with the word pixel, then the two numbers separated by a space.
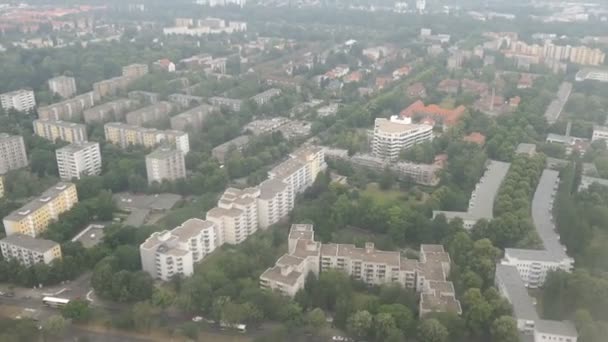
pixel 533 265
pixel 600 75
pixel 511 287
pixel 78 159
pixel 165 163
pixel 301 170
pixel 427 276
pixel 21 100
pixel 275 201
pixel 481 203
pixel 169 253
pixel 391 136
pixel 236 215
pixel 599 133
pixel 63 86
pixel 28 250
pixel 12 153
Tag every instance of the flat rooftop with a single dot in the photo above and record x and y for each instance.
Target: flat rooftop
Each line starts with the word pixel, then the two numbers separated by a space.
pixel 30 243
pixel 481 204
pixel 509 281
pixel 127 201
pixel 35 204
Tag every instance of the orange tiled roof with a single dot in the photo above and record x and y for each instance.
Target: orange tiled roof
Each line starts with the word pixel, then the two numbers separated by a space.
pixel 449 116
pixel 476 138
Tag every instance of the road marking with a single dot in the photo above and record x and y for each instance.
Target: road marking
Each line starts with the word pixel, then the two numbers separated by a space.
pixel 88 296
pixel 56 293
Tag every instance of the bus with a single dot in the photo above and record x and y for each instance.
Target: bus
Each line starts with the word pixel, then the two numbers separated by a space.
pixel 55 302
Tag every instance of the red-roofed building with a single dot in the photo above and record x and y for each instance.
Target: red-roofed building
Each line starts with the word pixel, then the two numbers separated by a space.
pixel 382 82
pixel 449 86
pixel 416 90
pixel 474 87
pixel 337 72
pixel 515 101
pixel 164 65
pixel 401 72
pixel 448 116
pixel 355 76
pixel 476 138
pixel 525 81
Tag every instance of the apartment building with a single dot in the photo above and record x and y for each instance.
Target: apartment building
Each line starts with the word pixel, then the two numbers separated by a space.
pixel 144 96
pixel 63 86
pixel 219 152
pixel 301 169
pixel 150 114
pixel 426 276
pixel 70 109
pixel 288 276
pixel 599 133
pixel 21 100
pixel 28 250
pixel 600 75
pixel 169 253
pixel 533 265
pixel 165 164
pixel 112 86
pixel 62 130
pixel 236 215
pixel 125 135
pixel 265 96
pixel 76 160
pixel 232 104
pixel 34 217
pixel 135 70
pixel 109 111
pixel 391 136
pixel 510 285
pixel 12 153
pixel 184 100
pixel 425 174
pixel 275 202
pixel 481 203
pixel 192 119
pixel 587 56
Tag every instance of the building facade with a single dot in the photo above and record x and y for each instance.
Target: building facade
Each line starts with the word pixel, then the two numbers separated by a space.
pixel 125 135
pixel 426 276
pixel 236 215
pixel 62 130
pixel 76 160
pixel 135 70
pixel 28 250
pixel 34 217
pixel 169 253
pixel 165 164
pixel 63 86
pixel 70 109
pixel 109 111
pixel 192 119
pixel 275 202
pixel 12 153
pixel 21 100
pixel 301 169
pixel 150 114
pixel 391 136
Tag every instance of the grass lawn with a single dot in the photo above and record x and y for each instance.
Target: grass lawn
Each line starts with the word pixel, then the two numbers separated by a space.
pixel 373 190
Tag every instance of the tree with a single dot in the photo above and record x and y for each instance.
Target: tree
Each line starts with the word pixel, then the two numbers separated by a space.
pixel 504 329
pixel 315 319
pixel 430 330
pixel 55 326
pixel 360 324
pixel 384 325
pixel 77 310
pixel 144 315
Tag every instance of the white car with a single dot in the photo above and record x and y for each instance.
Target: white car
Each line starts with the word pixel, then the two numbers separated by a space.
pixel 340 338
pixel 197 319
